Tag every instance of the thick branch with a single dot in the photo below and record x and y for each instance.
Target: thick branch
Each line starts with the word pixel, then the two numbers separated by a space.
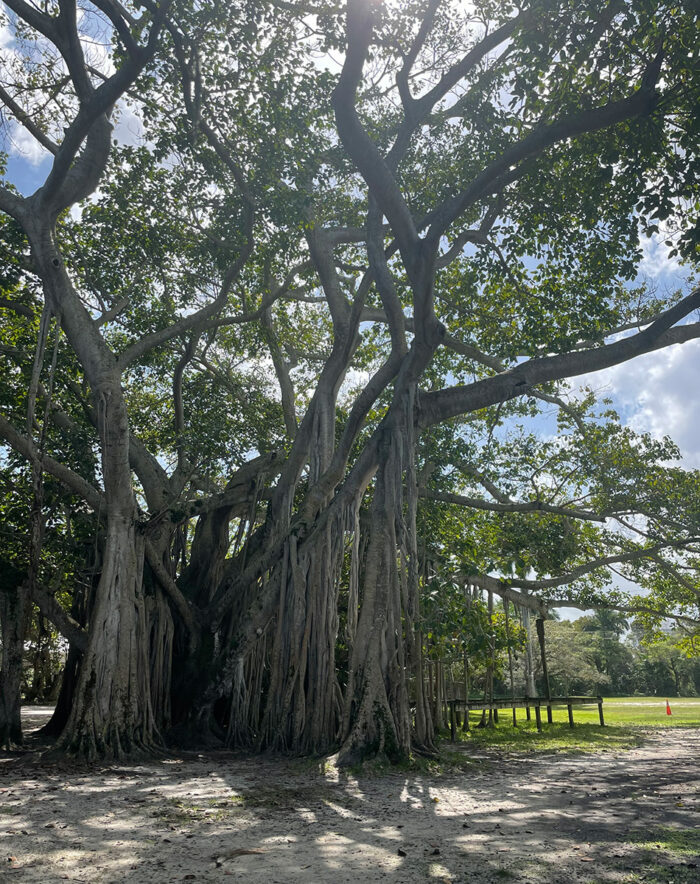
pixel 72 179
pixel 640 103
pixel 40 21
pixel 121 20
pixel 357 142
pixel 445 404
pixel 321 250
pixel 521 599
pixel 283 377
pixel 12 204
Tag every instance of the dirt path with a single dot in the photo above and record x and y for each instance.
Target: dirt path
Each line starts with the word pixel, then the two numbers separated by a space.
pixel 547 818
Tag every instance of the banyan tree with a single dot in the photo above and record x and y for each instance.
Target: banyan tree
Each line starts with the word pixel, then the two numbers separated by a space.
pixel 280 296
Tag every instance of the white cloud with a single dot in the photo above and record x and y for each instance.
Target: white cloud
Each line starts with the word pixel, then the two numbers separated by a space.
pixel 659 393
pixel 128 126
pixel 20 142
pixel 25 145
pixel 656 262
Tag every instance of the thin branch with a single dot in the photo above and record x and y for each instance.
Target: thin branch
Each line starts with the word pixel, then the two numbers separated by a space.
pixel 172 590
pixel 409 59
pixel 26 121
pixel 532 506
pixel 601 562
pixel 16 307
pixel 66 625
pixel 418 109
pixel 70 479
pixel 523 600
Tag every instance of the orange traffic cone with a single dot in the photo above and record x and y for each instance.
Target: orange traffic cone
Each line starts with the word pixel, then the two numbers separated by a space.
pixel 668 708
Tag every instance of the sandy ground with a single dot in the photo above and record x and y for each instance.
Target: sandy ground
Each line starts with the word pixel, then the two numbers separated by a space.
pixel 221 816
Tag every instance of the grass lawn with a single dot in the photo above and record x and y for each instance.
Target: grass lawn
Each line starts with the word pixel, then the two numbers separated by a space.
pixel 625 717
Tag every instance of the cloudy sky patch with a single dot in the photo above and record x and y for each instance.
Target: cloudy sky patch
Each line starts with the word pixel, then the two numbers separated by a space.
pixel 656 393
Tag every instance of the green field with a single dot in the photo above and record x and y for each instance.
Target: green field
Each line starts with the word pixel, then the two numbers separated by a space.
pixel 646 711
pixel 625 720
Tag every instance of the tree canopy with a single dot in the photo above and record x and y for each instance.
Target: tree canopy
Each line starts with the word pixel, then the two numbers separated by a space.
pixel 277 367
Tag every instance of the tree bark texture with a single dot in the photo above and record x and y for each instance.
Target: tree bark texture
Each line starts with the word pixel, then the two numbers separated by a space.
pixel 12 618
pixel 112 713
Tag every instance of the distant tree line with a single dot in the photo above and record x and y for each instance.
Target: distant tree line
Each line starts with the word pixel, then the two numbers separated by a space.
pixel 598 654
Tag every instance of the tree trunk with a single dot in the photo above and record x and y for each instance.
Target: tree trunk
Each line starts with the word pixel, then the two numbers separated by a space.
pixel 376 715
pixel 161 630
pixel 45 679
pixel 301 709
pixel 12 616
pixel 530 689
pixel 112 714
pixel 69 680
pixel 83 600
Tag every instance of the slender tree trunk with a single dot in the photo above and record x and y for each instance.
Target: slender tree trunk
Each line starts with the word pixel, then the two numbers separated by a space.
pixel 423 728
pixel 161 631
pixel 530 689
pixel 69 680
pixel 676 679
pixel 46 680
pixel 83 599
pixel 465 725
pixel 12 616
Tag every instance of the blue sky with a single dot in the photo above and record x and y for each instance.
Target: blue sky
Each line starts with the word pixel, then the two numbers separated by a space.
pixel 26 175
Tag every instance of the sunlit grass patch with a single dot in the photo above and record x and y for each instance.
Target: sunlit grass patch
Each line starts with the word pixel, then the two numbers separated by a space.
pixel 624 719
pixel 681 842
pixel 177 811
pixel 647 711
pixel 666 854
pixel 557 736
